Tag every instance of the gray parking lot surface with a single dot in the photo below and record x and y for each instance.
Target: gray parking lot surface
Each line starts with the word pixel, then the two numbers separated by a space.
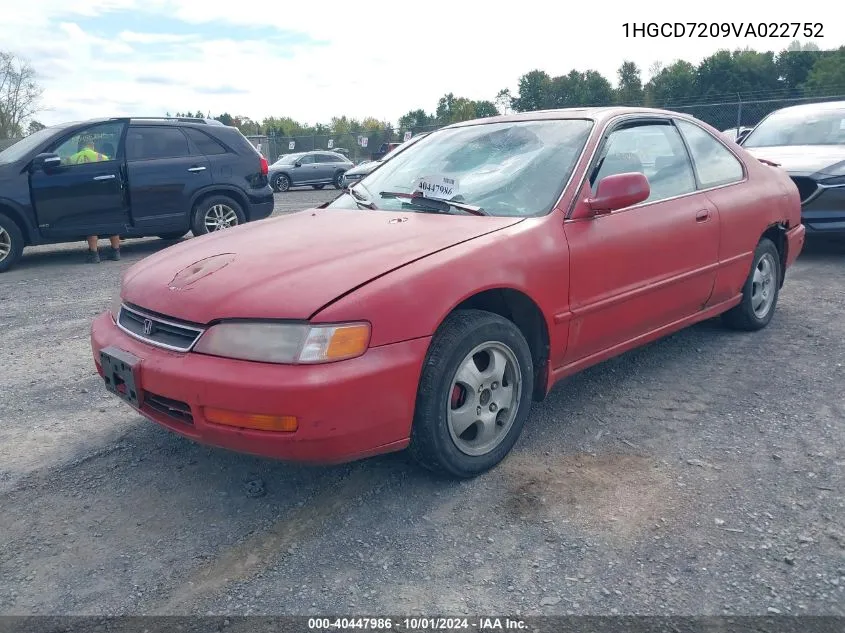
pixel 702 474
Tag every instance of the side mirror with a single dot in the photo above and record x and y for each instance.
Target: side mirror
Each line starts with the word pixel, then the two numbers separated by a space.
pixel 741 136
pixel 46 161
pixel 619 191
pixel 297 164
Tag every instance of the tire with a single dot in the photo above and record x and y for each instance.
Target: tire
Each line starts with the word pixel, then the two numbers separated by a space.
pixel 435 441
pixel 281 183
pixel 318 187
pixel 216 213
pixel 11 243
pixel 337 181
pixel 174 235
pixel 763 284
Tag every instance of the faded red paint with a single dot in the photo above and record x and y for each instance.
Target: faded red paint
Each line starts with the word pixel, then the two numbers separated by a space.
pixel 604 285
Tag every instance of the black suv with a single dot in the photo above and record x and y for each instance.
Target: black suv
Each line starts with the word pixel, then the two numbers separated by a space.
pixel 145 177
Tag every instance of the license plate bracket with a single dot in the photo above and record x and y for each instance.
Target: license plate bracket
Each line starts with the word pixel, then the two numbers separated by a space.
pixel 121 373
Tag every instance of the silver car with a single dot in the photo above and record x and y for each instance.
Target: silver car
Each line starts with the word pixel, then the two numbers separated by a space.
pixel 315 169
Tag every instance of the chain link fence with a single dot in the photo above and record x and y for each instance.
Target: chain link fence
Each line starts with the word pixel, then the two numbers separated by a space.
pixel 369 144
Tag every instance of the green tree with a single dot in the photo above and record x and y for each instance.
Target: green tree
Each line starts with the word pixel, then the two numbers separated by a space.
pixel 35 126
pixel 485 109
pixel 743 72
pixel 630 88
pixel 534 93
pixel 672 84
pixel 226 119
pixel 827 76
pixel 416 120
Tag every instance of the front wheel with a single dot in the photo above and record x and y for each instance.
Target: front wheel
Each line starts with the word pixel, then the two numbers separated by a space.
pixel 11 243
pixel 215 214
pixel 760 292
pixel 474 394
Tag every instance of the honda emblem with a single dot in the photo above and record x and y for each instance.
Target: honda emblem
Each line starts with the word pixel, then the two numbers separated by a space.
pixel 148 327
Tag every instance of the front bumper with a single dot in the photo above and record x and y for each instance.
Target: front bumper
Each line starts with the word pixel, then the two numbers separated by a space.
pixel 824 211
pixel 346 410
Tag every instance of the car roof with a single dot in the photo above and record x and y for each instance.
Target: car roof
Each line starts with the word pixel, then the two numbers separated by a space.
pixel 824 106
pixel 599 114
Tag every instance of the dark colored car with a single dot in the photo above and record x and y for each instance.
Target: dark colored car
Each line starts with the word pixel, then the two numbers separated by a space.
pixel 363 169
pixel 736 134
pixel 315 169
pixel 808 141
pixel 149 177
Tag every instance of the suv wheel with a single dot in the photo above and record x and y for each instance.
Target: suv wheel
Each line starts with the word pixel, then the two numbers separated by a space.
pixel 215 214
pixel 281 183
pixel 338 180
pixel 11 243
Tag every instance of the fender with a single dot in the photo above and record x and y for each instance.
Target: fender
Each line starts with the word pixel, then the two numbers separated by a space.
pixel 31 234
pixel 239 194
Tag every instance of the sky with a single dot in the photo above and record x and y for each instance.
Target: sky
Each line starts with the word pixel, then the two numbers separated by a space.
pixel 312 60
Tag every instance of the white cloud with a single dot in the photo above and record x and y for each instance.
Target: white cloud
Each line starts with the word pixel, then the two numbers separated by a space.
pixel 381 58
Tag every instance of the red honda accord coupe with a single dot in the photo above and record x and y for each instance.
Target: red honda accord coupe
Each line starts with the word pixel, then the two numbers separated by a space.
pixel 427 306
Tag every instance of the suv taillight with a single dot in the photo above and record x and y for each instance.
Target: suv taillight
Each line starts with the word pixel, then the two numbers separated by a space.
pixel 265 167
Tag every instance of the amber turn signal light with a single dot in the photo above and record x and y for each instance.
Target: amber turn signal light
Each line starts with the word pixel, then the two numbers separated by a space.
pixel 257 421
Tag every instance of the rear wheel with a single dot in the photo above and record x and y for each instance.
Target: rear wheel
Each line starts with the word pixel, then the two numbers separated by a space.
pixel 474 394
pixel 215 214
pixel 760 292
pixel 281 183
pixel 11 243
pixel 338 180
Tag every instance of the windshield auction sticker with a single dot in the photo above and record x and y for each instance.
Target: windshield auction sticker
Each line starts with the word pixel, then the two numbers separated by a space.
pixel 439 187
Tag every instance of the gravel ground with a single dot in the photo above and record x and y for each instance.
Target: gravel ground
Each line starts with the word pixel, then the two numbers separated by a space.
pixel 702 474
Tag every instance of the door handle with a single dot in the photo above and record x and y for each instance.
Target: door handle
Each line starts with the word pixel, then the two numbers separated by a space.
pixel 106 177
pixel 196 168
pixel 702 216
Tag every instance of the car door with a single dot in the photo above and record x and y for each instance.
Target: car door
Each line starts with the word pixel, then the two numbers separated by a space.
pixel 304 174
pixel 323 168
pixel 164 174
pixel 636 270
pixel 77 199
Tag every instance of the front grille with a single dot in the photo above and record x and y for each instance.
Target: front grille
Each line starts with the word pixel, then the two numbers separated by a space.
pixel 806 187
pixel 155 330
pixel 179 411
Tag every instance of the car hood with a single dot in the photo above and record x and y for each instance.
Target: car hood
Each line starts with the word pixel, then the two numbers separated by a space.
pixel 804 159
pixel 291 266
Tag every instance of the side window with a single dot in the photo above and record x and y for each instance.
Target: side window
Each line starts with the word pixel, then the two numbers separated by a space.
pixel 150 143
pixel 204 143
pixel 94 144
pixel 714 163
pixel 653 149
pixel 307 160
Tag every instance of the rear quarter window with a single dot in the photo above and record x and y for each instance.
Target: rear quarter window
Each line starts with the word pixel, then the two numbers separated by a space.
pixel 204 143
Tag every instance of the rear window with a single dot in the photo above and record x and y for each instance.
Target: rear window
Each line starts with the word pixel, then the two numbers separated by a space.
pixel 151 143
pixel 204 143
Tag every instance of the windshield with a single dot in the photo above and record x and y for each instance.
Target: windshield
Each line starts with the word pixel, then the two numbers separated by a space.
pixel 25 145
pixel 288 159
pixel 508 169
pixel 799 127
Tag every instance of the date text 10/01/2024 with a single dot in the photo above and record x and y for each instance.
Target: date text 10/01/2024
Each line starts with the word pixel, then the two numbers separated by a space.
pixel 417 624
pixel 723 29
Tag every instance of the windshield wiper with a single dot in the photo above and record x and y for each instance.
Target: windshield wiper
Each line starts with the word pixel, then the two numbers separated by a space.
pixel 433 204
pixel 360 199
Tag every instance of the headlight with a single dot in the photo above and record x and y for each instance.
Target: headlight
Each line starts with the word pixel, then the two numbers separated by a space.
pixel 286 343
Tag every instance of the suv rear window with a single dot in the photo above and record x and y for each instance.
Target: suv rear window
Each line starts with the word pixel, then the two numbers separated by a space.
pixel 204 143
pixel 147 143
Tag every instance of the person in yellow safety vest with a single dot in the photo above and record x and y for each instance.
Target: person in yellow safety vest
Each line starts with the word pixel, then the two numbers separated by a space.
pixel 90 155
pixel 87 155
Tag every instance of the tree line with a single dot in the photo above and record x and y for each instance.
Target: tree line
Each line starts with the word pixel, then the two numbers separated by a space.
pixel 726 76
